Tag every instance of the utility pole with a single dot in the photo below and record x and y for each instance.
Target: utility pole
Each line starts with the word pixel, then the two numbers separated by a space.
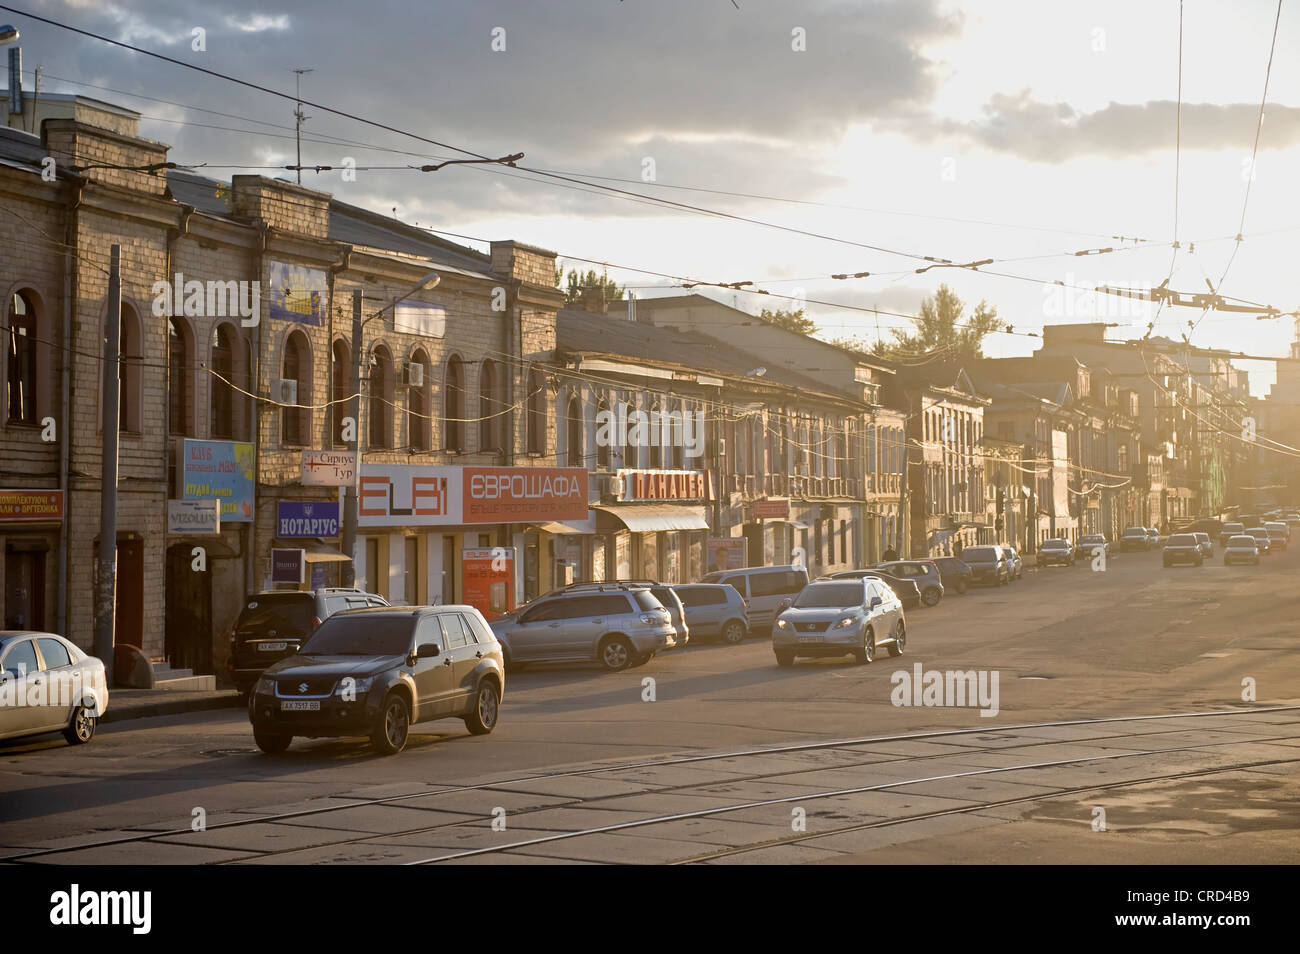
pixel 350 512
pixel 106 582
pixel 298 116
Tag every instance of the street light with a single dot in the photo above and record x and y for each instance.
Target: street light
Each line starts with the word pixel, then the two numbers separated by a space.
pixel 350 507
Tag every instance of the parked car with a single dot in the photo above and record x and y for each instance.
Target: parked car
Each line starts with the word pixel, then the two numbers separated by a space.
pixel 714 609
pixel 1153 537
pixel 954 572
pixel 1055 552
pixel 615 624
pixel 1205 543
pixel 1087 546
pixel 376 672
pixel 763 587
pixel 1134 538
pixel 47 684
pixel 1262 539
pixel 1017 564
pixel 663 593
pixel 1278 532
pixel 988 564
pixel 1231 530
pixel 1241 548
pixel 273 626
pixel 924 573
pixel 839 617
pixel 1183 548
pixel 906 590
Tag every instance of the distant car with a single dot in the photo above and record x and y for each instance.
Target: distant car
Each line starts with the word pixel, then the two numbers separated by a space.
pixel 1241 548
pixel 1153 536
pixel 274 625
pixel 376 672
pixel 763 587
pixel 1206 544
pixel 1055 552
pixel 618 625
pixel 1262 539
pixel 47 684
pixel 988 564
pixel 1183 548
pixel 1017 564
pixel 1135 538
pixel 838 618
pixel 1279 534
pixel 714 610
pixel 1230 530
pixel 924 573
pixel 906 590
pixel 954 572
pixel 662 592
pixel 1087 546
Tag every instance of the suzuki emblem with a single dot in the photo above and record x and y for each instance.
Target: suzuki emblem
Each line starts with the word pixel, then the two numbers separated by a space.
pixel 302 687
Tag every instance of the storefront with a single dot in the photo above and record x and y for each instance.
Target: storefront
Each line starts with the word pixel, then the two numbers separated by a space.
pixel 30 524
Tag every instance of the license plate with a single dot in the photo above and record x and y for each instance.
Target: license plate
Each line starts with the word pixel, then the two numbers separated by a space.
pixel 810 639
pixel 271 647
pixel 300 705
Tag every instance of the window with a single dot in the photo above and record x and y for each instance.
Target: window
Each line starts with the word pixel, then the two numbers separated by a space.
pixel 701 596
pixel 22 360
pixel 54 653
pixel 537 414
pixel 128 372
pixel 295 422
pixel 179 379
pixel 21 658
pixel 490 408
pixel 573 428
pixel 340 388
pixel 419 413
pixel 656 437
pixel 457 635
pixel 453 405
pixel 382 389
pixel 777 582
pixel 602 446
pixel 844 541
pixel 224 349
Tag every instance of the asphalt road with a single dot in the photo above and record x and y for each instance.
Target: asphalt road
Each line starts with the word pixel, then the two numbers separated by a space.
pixel 1066 645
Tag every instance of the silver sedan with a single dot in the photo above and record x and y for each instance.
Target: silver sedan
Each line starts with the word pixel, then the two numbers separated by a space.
pixel 47 684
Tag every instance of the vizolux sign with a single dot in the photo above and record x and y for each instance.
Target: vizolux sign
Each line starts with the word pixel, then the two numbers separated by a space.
pixel 395 495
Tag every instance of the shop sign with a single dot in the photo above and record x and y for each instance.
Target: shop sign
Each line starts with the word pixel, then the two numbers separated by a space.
pixel 524 494
pixel 191 517
pixel 288 566
pixel 31 506
pixel 661 485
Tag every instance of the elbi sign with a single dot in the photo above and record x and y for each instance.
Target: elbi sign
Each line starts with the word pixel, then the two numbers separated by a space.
pixel 329 468
pixel 398 495
pixel 192 517
pixel 307 518
pixel 288 566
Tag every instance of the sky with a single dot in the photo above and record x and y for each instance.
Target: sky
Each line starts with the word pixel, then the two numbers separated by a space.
pixel 1011 130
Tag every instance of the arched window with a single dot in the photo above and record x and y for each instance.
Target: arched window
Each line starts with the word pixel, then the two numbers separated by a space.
pixel 419 413
pixel 340 388
pixel 380 411
pixel 22 360
pixel 602 446
pixel 573 428
pixel 537 412
pixel 295 422
pixel 656 436
pixel 453 405
pixel 489 408
pixel 128 371
pixel 180 382
pixel 226 354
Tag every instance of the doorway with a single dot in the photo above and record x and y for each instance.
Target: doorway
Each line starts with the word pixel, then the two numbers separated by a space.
pixel 188 618
pixel 24 588
pixel 128 619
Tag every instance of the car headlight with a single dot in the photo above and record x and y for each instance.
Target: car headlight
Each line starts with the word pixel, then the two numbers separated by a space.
pixel 846 622
pixel 266 686
pixel 782 624
pixel 354 688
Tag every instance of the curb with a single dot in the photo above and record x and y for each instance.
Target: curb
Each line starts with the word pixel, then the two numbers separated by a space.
pixel 151 709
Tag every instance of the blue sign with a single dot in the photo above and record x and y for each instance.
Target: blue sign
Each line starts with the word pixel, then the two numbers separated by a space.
pixel 297 519
pixel 298 293
pixel 220 469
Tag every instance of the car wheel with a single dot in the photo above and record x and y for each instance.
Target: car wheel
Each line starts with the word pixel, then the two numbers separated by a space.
pixel 733 632
pixel 615 654
pixel 785 659
pixel 272 743
pixel 392 726
pixel 867 653
pixel 900 640
pixel 82 727
pixel 931 596
pixel 487 706
pixel 641 660
pixel 962 587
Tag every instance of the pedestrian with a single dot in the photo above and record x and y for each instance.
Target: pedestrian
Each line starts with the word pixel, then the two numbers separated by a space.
pixel 957 548
pixel 890 555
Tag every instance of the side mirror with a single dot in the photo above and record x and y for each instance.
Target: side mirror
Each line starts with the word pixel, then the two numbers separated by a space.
pixel 875 601
pixel 428 650
pixel 785 604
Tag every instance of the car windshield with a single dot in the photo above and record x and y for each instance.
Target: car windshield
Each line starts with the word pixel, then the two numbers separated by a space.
pixel 1056 544
pixel 1182 540
pixel 1241 540
pixel 979 554
pixel 826 595
pixel 362 635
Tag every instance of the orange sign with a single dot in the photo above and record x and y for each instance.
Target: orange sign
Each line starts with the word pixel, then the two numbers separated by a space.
pixel 662 485
pixel 523 494
pixel 31 506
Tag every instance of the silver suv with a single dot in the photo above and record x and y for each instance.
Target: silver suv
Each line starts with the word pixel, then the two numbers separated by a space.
pixel 662 592
pixel 715 609
pixel 615 624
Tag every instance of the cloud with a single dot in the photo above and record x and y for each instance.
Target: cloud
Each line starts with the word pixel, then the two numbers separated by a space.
pixel 1019 125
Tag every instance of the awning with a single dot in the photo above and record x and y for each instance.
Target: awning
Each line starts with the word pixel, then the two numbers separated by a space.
pixel 650 518
pixel 317 550
pixel 560 527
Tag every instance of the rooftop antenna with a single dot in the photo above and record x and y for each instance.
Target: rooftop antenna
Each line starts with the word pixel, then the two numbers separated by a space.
pixel 299 116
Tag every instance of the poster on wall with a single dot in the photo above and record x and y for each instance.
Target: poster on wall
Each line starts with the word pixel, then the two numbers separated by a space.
pixel 488 579
pixel 298 293
pixel 220 469
pixel 726 553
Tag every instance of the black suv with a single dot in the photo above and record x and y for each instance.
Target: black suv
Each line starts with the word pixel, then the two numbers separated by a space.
pixel 274 625
pixel 375 672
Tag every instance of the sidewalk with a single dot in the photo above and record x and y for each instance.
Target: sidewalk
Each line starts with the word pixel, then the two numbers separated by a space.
pixel 142 703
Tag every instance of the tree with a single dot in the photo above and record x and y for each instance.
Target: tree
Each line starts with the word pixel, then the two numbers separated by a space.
pixel 941 326
pixel 590 292
pixel 793 320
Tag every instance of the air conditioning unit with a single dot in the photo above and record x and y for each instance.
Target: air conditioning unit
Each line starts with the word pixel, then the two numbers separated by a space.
pixel 722 447
pixel 286 392
pixel 414 374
